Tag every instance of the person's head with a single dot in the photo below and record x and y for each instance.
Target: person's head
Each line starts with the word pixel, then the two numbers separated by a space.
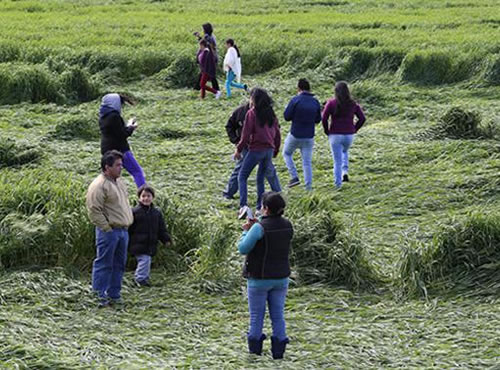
pixel 146 194
pixel 263 105
pixel 303 85
pixel 231 44
pixel 116 101
pixel 273 204
pixel 203 44
pixel 208 29
pixel 112 163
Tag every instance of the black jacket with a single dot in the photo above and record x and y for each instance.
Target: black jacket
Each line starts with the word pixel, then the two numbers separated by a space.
pixel 147 229
pixel 114 133
pixel 269 258
pixel 234 125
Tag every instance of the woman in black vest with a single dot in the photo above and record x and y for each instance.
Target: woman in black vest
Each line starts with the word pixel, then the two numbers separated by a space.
pixel 267 246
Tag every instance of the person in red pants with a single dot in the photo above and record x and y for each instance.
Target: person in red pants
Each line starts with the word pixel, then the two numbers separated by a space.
pixel 206 61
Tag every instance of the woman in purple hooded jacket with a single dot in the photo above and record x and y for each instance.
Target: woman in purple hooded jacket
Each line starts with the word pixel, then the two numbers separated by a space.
pixel 206 60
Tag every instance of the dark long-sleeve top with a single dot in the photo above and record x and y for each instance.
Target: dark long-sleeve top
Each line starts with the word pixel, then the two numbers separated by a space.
pixel 234 124
pixel 258 138
pixel 114 133
pixel 148 227
pixel 304 111
pixel 206 60
pixel 344 123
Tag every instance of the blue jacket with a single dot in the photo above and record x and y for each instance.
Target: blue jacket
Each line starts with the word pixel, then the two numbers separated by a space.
pixel 304 111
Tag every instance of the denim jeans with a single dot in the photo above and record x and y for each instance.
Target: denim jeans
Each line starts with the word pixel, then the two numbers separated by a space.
pixel 109 265
pixel 275 298
pixel 232 185
pixel 143 268
pixel 306 149
pixel 133 168
pixel 230 77
pixel 340 144
pixel 264 160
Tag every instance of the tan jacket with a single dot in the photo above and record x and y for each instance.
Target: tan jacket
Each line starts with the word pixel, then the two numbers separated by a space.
pixel 107 203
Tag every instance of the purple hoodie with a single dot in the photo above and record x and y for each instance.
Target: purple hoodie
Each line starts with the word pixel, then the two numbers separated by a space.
pixel 206 60
pixel 258 138
pixel 343 124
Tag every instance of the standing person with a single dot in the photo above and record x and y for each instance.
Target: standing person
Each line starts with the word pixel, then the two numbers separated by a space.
pixel 267 268
pixel 234 127
pixel 341 111
pixel 232 67
pixel 114 133
pixel 109 210
pixel 207 64
pixel 208 35
pixel 261 137
pixel 304 111
pixel 144 233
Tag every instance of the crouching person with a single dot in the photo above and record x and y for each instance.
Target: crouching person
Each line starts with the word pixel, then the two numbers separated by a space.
pixel 267 246
pixel 109 210
pixel 147 229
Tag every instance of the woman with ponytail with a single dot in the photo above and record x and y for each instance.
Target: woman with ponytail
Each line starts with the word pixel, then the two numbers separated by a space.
pixel 341 111
pixel 232 67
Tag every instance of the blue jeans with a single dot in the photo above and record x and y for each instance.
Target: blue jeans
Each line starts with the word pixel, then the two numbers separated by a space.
pixel 133 168
pixel 230 77
pixel 109 265
pixel 143 268
pixel 275 298
pixel 306 150
pixel 340 144
pixel 232 185
pixel 264 160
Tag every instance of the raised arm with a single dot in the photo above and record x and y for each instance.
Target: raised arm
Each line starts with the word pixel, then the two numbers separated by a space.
pixel 250 238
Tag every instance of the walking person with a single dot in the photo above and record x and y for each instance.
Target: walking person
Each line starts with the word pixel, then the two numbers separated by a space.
pixel 232 67
pixel 147 229
pixel 261 137
pixel 267 268
pixel 234 127
pixel 341 111
pixel 109 210
pixel 206 61
pixel 208 35
pixel 304 111
pixel 114 133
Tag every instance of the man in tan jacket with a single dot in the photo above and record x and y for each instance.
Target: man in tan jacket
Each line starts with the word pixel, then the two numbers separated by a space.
pixel 109 210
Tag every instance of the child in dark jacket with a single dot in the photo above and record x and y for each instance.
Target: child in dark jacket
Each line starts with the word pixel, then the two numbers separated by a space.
pixel 267 246
pixel 144 233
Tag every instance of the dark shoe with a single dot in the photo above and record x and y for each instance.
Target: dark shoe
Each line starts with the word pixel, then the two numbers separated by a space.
pixel 245 86
pixel 345 178
pixel 103 303
pixel 255 345
pixel 227 196
pixel 293 182
pixel 145 283
pixel 278 347
pixel 117 303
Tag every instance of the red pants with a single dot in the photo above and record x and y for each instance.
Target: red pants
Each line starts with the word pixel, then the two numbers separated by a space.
pixel 203 85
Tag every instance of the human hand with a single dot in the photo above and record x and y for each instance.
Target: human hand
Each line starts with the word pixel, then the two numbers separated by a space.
pixel 237 155
pixel 249 223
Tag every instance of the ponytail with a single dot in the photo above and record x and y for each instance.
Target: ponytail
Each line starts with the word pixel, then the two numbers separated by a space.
pixel 231 42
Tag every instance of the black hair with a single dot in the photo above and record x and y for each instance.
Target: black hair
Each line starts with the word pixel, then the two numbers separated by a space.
pixel 145 188
pixel 231 42
pixel 274 202
pixel 208 29
pixel 263 105
pixel 343 96
pixel 109 158
pixel 304 85
pixel 126 99
pixel 205 43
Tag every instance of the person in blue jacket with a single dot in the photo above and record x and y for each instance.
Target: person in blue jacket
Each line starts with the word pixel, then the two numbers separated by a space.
pixel 304 111
pixel 267 246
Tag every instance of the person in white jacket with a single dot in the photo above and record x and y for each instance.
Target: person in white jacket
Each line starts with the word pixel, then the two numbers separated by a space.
pixel 232 67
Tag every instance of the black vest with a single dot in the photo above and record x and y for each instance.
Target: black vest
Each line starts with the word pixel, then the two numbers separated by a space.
pixel 269 258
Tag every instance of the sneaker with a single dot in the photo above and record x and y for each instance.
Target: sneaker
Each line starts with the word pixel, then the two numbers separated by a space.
pixel 227 196
pixel 345 178
pixel 243 212
pixel 143 283
pixel 258 213
pixel 218 94
pixel 293 182
pixel 103 303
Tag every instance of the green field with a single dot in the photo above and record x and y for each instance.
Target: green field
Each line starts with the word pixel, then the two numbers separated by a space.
pixel 399 268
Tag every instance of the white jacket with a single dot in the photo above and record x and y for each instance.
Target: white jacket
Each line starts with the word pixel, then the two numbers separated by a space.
pixel 233 61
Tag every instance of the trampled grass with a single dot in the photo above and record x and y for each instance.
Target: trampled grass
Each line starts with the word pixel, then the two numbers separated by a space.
pixel 407 62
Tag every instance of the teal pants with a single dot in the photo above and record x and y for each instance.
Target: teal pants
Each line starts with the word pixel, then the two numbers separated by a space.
pixel 231 83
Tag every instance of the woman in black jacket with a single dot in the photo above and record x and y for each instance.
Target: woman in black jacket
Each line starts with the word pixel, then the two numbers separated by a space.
pixel 114 133
pixel 144 233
